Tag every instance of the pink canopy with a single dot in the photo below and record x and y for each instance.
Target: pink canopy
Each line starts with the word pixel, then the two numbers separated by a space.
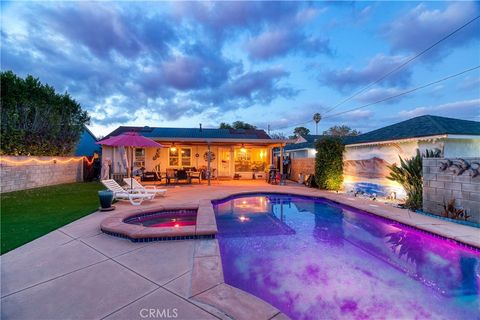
pixel 130 139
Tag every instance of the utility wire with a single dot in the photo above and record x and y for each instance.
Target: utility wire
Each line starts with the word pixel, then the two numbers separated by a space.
pixel 403 93
pixel 402 65
pixel 391 97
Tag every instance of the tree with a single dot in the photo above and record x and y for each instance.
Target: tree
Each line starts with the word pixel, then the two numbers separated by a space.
pixel 225 125
pixel 237 125
pixel 36 120
pixel 278 135
pixel 301 131
pixel 341 131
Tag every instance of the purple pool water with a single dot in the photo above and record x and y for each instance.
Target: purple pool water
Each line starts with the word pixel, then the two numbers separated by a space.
pixel 314 259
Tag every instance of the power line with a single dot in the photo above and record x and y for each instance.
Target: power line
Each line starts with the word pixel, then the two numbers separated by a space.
pixel 402 65
pixel 391 97
pixel 403 93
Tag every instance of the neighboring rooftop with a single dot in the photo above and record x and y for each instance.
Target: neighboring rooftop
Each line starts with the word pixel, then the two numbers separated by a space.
pixel 422 126
pixel 310 143
pixel 193 133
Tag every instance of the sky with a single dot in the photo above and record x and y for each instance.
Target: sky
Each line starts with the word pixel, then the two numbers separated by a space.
pixel 271 64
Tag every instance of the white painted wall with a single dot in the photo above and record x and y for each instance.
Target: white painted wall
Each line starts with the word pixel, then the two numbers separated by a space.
pixel 462 148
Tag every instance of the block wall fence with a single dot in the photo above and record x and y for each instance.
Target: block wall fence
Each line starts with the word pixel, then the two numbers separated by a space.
pixel 23 172
pixel 441 186
pixel 302 165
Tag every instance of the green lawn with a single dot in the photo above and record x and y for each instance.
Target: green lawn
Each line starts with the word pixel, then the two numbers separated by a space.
pixel 29 214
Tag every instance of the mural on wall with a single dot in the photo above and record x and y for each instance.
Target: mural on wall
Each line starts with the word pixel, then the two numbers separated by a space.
pixel 366 168
pixel 374 168
pixel 460 167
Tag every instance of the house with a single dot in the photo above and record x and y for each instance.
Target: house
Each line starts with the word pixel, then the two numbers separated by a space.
pixel 367 156
pixel 87 145
pixel 244 153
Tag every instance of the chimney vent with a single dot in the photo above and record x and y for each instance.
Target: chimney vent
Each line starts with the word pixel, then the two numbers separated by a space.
pixel 200 127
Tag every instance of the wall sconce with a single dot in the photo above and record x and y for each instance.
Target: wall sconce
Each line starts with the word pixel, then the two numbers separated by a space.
pixel 242 149
pixel 173 148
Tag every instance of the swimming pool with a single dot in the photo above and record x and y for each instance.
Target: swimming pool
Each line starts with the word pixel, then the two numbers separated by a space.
pixel 315 259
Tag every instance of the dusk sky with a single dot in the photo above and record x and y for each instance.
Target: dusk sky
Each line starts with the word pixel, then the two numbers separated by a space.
pixel 178 64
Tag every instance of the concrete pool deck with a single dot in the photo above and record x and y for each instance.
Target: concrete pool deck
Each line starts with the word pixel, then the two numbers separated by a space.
pixel 78 272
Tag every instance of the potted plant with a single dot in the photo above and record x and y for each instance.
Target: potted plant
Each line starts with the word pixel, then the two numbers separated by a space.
pixel 106 198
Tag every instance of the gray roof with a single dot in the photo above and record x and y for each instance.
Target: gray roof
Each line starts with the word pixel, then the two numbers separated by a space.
pixel 193 133
pixel 422 126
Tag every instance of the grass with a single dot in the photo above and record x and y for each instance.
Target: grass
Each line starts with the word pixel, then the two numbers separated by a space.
pixel 29 214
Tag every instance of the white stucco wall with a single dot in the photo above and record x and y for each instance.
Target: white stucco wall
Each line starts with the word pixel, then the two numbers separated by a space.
pixel 462 148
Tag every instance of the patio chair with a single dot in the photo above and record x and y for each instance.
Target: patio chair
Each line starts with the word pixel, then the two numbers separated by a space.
pixel 194 174
pixel 170 175
pixel 135 196
pixel 146 189
pixel 183 175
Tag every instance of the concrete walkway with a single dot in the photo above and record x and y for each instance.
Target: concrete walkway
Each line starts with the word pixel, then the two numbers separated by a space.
pixel 77 272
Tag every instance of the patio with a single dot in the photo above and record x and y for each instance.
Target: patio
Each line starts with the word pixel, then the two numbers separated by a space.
pixel 80 273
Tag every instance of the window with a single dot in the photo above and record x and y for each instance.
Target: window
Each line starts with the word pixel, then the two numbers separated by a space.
pixel 253 159
pixel 173 157
pixel 181 157
pixel 139 160
pixel 186 157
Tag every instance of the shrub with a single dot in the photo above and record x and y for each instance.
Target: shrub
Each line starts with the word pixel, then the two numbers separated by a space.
pixel 35 120
pixel 409 176
pixel 329 163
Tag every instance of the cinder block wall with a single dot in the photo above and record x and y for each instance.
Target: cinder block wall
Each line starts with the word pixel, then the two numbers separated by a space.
pixel 14 176
pixel 302 165
pixel 442 186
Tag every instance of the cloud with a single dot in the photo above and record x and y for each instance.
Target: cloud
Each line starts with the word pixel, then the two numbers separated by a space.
pixel 421 27
pixel 247 89
pixel 467 109
pixel 470 83
pixel 278 42
pixel 220 19
pixel 101 28
pixel 377 67
pixel 377 94
pixel 356 115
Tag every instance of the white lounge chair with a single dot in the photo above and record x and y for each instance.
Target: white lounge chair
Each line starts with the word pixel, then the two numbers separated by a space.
pixel 146 189
pixel 135 197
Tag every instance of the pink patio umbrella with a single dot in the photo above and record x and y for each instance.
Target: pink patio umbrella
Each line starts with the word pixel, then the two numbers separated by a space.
pixel 130 140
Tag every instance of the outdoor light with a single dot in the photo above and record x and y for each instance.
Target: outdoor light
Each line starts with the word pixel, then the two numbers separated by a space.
pixel 176 225
pixel 242 149
pixel 242 219
pixel 173 148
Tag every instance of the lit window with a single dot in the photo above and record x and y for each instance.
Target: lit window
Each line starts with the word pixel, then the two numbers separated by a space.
pixel 186 157
pixel 173 157
pixel 180 157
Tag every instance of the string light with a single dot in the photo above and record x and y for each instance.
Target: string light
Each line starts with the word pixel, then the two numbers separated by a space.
pixel 54 160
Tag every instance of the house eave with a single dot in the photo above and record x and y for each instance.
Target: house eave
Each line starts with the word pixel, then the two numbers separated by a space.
pixel 424 138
